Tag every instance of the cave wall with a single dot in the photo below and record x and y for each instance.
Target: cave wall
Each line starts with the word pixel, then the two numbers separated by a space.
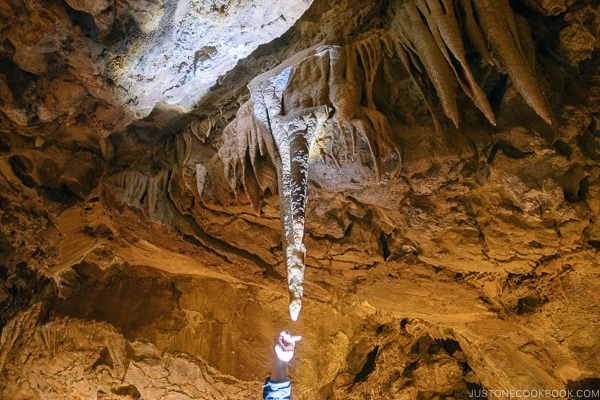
pixel 141 248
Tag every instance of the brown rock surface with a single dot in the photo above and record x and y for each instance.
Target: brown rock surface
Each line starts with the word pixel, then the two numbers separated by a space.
pixel 142 244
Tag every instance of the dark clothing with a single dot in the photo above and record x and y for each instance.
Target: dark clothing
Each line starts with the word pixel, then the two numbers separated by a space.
pixel 277 390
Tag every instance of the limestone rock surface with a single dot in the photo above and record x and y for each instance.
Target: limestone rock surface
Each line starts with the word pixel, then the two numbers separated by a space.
pixel 166 165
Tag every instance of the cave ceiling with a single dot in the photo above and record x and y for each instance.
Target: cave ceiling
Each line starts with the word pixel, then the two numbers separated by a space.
pixel 411 185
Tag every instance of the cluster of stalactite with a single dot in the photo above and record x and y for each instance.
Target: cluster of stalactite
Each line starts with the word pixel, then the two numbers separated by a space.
pixel 328 92
pixel 428 36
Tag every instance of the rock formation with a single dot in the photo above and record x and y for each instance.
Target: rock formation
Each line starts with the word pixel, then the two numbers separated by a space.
pixel 178 178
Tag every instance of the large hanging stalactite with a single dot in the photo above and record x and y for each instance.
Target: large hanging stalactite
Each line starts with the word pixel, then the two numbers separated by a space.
pixel 289 108
pixel 427 36
pixel 294 135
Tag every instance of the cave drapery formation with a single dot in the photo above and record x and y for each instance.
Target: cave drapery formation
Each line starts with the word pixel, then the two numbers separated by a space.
pixel 429 166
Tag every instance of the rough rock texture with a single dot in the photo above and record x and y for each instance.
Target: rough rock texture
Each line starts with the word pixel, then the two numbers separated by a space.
pixel 423 174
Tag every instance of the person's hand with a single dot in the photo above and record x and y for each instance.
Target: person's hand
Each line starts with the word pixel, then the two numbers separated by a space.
pixel 284 345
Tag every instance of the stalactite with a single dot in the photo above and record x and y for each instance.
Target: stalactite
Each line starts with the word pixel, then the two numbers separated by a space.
pixel 288 107
pixel 446 32
pixel 243 153
pixel 473 31
pixel 526 40
pixel 344 89
pixel 293 135
pixel 377 131
pixel 499 27
pixel 345 94
pixel 404 56
pixel 417 36
pixel 427 36
pixel 146 193
pixel 371 54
